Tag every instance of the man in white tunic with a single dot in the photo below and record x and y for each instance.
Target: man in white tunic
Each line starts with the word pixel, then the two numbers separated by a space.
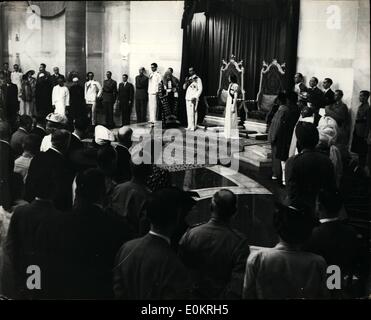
pixel 16 78
pixel 93 90
pixel 193 87
pixel 153 82
pixel 60 97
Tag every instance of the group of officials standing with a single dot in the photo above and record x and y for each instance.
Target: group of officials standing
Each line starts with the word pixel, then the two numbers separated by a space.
pixel 155 96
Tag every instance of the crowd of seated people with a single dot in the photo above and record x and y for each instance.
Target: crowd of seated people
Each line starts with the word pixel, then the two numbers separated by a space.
pixel 100 225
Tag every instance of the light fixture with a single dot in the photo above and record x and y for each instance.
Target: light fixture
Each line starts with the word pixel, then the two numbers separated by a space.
pixel 124 48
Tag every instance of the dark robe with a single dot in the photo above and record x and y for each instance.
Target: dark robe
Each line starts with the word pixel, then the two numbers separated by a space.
pixel 6 170
pixel 123 172
pixel 77 107
pixel 126 99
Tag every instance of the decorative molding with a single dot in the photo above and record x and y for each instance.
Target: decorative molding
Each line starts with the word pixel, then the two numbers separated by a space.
pixel 280 67
pixel 232 60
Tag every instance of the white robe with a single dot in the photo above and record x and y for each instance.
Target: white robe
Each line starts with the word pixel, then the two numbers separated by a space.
pixel 61 99
pixel 230 122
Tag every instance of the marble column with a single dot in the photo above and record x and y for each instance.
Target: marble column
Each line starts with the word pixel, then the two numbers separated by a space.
pixel 116 29
pixel 76 37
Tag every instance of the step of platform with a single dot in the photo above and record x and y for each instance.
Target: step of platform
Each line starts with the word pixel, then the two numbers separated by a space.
pixel 262 150
pixel 256 161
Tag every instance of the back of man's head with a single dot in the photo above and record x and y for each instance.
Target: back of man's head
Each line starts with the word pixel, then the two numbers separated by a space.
pixel 107 159
pixel 307 135
pixel 330 202
pixel 5 131
pixel 25 122
pixel 90 186
pixel 294 226
pixel 61 140
pixel 224 204
pixel 31 143
pixel 81 124
pixel 124 136
pixel 164 208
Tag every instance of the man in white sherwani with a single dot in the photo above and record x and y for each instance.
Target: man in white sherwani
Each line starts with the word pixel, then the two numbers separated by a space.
pixel 193 87
pixel 60 97
pixel 153 82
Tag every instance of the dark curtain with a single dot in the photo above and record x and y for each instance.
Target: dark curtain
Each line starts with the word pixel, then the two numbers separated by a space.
pixel 251 30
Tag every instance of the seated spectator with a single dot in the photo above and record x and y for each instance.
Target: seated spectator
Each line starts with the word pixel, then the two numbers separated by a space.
pixel 333 239
pixel 328 129
pixel 215 253
pixel 147 268
pixel 79 248
pixel 16 142
pixel 285 271
pixel 31 147
pixel 123 154
pixel 79 133
pixel 54 122
pixel 129 199
pixel 20 247
pixel 309 171
pixel 53 165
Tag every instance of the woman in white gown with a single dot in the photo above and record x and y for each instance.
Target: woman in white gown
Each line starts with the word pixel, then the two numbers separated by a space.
pixel 230 122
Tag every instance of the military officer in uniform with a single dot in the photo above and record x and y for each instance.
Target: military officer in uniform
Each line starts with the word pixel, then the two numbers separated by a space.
pixel 215 253
pixel 193 87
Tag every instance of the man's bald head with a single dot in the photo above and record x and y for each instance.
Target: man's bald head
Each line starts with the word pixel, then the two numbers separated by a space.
pixel 224 204
pixel 124 136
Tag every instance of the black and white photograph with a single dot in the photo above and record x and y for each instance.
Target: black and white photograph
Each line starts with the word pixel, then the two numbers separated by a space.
pixel 187 158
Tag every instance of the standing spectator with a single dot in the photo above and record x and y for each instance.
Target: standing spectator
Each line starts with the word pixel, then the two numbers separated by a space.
pixel 328 94
pixel 215 253
pixel 31 147
pixel 109 96
pixel 93 91
pixel 359 143
pixel 43 73
pixel 148 268
pixel 53 165
pixel 6 166
pixel 141 96
pixel 39 128
pixel 125 99
pixel 125 142
pixel 11 103
pixel 55 76
pixel 7 72
pixel 43 95
pixel 285 271
pixel 16 142
pixel 21 247
pixel 28 93
pixel 3 89
pixel 79 248
pixel 339 111
pixel 77 107
pixel 309 171
pixel 60 97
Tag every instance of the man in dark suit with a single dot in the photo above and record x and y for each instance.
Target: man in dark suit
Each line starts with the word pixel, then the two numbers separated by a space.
pixel 316 98
pixel 80 129
pixel 126 98
pixel 12 103
pixel 20 247
pixel 148 268
pixel 39 128
pixel 215 252
pixel 141 96
pixel 333 239
pixel 123 172
pixel 328 94
pixel 109 98
pixel 309 171
pixel 6 166
pixel 6 70
pixel 16 142
pixel 55 76
pixel 53 165
pixel 79 248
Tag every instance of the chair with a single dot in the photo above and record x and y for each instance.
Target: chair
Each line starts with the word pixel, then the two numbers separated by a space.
pixel 271 83
pixel 215 105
